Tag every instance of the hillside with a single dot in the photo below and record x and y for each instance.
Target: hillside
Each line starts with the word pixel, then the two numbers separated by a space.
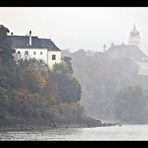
pixel 102 78
pixel 30 91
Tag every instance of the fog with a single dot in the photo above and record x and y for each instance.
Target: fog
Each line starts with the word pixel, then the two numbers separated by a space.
pixel 114 81
pixel 112 87
pixel 76 28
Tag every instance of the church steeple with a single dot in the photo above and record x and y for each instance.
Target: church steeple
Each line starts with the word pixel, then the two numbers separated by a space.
pixel 134 38
pixel 134 32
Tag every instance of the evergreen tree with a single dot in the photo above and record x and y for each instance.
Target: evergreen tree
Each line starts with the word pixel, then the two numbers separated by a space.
pixel 129 105
pixel 5 45
pixel 69 89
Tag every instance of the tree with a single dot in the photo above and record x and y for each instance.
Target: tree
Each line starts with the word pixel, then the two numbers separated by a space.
pixel 129 105
pixel 69 89
pixel 4 104
pixel 60 68
pixel 101 77
pixel 30 91
pixel 67 61
pixel 5 45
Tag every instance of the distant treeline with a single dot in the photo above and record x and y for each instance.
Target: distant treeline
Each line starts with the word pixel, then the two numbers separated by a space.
pixel 111 87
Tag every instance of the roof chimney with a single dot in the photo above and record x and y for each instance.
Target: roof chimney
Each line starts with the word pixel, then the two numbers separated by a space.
pixel 30 38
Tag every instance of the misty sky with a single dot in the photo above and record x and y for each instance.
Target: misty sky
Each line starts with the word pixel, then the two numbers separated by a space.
pixel 78 27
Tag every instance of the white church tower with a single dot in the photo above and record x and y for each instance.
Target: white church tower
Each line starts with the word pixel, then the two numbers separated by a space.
pixel 134 38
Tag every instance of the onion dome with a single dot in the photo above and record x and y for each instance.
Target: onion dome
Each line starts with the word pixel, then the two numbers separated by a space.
pixel 134 32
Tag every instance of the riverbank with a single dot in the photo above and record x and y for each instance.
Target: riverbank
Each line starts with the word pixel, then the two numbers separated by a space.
pixel 21 125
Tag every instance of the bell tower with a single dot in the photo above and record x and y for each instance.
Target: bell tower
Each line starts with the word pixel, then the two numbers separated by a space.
pixel 134 38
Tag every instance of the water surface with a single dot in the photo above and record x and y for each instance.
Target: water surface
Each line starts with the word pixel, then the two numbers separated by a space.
pixel 126 132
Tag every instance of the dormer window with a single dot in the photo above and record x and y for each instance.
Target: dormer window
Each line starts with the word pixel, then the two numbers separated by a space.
pixel 18 52
pixel 34 53
pixel 41 53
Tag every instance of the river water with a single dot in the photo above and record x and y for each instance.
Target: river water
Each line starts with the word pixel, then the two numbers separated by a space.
pixel 125 132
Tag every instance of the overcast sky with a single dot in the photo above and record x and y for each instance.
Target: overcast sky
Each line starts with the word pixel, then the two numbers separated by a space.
pixel 78 27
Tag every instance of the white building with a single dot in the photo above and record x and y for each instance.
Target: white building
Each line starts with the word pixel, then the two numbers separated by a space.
pixel 143 68
pixel 131 51
pixel 32 47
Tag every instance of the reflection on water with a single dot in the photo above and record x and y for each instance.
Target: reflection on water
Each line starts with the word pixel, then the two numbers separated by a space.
pixel 128 132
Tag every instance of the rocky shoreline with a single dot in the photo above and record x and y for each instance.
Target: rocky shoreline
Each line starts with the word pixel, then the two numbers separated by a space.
pixel 27 126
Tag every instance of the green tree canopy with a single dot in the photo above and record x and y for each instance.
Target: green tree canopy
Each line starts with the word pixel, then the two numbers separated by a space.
pixel 30 91
pixel 129 105
pixel 5 45
pixel 69 89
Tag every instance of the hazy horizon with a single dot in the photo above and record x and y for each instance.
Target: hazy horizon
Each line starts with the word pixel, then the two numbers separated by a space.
pixel 77 28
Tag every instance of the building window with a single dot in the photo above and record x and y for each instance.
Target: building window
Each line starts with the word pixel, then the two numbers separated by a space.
pixel 53 57
pixel 34 53
pixel 26 52
pixel 18 52
pixel 41 53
